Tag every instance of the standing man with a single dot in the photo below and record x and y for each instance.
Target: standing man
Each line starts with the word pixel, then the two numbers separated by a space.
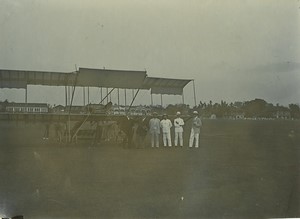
pixel 166 125
pixel 154 126
pixel 178 123
pixel 196 125
pixel 141 133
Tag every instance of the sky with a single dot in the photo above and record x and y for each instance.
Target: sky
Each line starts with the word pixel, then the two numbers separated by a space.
pixel 234 50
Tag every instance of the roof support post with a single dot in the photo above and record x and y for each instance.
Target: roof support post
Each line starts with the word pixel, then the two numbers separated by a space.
pixel 151 99
pixel 66 96
pixel 88 94
pixel 119 100
pixel 83 95
pixel 182 95
pixel 132 93
pixel 194 92
pixel 161 100
pixel 110 97
pixel 26 94
pixel 125 98
pixel 107 94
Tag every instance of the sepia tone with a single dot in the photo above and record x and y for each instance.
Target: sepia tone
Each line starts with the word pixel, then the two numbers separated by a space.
pixel 149 109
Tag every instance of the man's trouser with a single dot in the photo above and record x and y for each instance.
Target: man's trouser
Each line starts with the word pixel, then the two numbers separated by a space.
pixel 192 137
pixel 167 137
pixel 154 138
pixel 178 135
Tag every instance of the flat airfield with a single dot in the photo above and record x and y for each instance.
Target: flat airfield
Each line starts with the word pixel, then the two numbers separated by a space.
pixel 243 169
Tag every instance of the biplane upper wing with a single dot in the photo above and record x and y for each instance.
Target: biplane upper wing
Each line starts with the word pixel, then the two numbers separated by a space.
pixel 87 77
pixel 165 85
pixel 111 78
pixel 21 78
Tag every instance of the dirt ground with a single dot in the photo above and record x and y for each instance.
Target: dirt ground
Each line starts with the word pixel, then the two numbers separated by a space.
pixel 243 169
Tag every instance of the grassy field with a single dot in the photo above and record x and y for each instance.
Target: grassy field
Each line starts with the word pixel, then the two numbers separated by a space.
pixel 243 169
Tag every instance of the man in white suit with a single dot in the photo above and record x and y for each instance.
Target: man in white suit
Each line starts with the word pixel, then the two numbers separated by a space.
pixel 166 125
pixel 178 124
pixel 195 131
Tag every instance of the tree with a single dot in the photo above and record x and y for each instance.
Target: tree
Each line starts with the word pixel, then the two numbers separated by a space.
pixel 294 110
pixel 254 108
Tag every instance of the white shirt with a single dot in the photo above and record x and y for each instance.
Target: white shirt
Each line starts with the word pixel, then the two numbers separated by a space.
pixel 178 123
pixel 165 125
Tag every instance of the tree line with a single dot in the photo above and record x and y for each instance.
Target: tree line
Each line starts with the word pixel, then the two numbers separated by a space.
pixel 257 108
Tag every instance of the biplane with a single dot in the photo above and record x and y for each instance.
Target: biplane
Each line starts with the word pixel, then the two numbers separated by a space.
pixel 94 119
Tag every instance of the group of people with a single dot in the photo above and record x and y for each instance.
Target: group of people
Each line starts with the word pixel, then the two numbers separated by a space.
pixel 132 132
pixel 164 126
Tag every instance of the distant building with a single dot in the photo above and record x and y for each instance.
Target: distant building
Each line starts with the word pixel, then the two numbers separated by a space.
pixel 76 109
pixel 139 111
pixel 58 109
pixel 96 108
pixel 27 108
pixel 134 110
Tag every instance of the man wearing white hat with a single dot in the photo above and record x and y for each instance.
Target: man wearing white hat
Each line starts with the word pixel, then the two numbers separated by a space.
pixel 195 131
pixel 166 125
pixel 178 124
